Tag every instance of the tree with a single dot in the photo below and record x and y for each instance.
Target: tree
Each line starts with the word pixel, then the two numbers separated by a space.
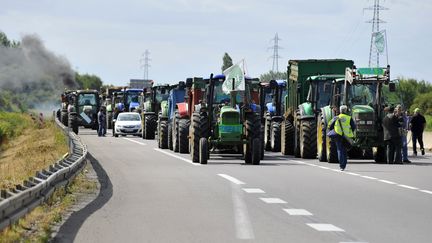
pixel 424 102
pixel 273 76
pixel 4 41
pixel 88 81
pixel 227 62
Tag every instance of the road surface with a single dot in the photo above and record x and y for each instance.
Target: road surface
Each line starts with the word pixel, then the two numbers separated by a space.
pixel 153 195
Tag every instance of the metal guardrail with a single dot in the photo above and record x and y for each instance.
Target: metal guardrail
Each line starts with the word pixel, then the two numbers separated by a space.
pixel 19 201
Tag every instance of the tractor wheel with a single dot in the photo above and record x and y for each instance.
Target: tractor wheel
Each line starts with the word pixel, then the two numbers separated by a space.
pixel 64 117
pixel 183 128
pixel 109 120
pixel 321 139
pixel 308 139
pixel 256 151
pixel 175 135
pixel 252 124
pixel 368 153
pixel 276 136
pixel 199 126
pixel 262 134
pixel 73 123
pixel 150 126
pixel 297 125
pixel 355 153
pixel 203 150
pixel 332 155
pixel 267 133
pixel 380 155
pixel 170 141
pixel 287 138
pixel 163 134
pixel 58 114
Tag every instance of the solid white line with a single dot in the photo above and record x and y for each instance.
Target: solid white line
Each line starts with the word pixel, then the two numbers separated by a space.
pixel 232 179
pixel 352 173
pixel 134 141
pixel 272 200
pixel 253 190
pixel 388 182
pixel 426 191
pixel 243 225
pixel 297 212
pixel 177 157
pixel 323 167
pixel 325 227
pixel 369 177
pixel 408 187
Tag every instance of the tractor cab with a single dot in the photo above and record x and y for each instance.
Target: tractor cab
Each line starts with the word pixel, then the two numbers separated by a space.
pixel 87 106
pixel 132 98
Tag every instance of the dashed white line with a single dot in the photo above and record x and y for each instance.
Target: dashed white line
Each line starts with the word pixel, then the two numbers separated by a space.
pixel 408 187
pixel 325 227
pixel 176 156
pixel 134 141
pixel 370 177
pixel 244 230
pixel 297 212
pixel 388 182
pixel 253 190
pixel 232 179
pixel 352 173
pixel 272 200
pixel 426 191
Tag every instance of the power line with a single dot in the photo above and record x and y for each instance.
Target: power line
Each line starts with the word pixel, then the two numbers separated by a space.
pixel 145 63
pixel 275 56
pixel 374 52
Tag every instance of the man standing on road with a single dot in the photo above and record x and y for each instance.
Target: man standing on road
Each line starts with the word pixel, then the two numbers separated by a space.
pixel 405 129
pixel 417 124
pixel 343 128
pixel 102 122
pixel 392 136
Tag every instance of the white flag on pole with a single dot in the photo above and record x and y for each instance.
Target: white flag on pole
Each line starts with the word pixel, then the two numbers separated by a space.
pixel 234 73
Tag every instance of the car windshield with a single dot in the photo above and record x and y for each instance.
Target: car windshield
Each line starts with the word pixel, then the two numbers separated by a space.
pixel 361 94
pixel 129 117
pixel 87 99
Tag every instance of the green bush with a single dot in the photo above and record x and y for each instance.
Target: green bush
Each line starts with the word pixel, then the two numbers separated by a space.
pixel 13 124
pixel 428 123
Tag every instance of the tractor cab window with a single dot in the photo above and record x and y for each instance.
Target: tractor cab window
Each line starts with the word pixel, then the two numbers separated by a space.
pixel 361 94
pixel 161 97
pixel 132 97
pixel 221 97
pixel 87 99
pixel 323 94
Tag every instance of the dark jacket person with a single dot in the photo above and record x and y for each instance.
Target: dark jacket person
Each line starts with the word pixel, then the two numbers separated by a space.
pixel 392 137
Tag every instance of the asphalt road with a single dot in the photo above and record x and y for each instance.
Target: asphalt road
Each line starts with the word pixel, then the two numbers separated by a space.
pixel 152 195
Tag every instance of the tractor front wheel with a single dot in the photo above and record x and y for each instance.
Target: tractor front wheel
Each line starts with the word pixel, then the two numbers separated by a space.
pixel 203 151
pixel 183 133
pixel 308 139
pixel 149 126
pixel 163 135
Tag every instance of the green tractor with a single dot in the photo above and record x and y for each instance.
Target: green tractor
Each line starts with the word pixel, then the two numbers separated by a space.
pixel 362 92
pixel 227 121
pixel 151 106
pixel 305 96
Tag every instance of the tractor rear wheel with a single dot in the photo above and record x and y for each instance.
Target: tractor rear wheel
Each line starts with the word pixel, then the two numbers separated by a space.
pixel 175 135
pixel 203 151
pixel 73 122
pixel 321 139
pixel 199 127
pixel 275 136
pixel 287 137
pixel 267 134
pixel 183 128
pixel 170 140
pixel 64 117
pixel 256 151
pixel 251 124
pixel 262 131
pixel 380 155
pixel 297 126
pixel 163 135
pixel 308 139
pixel 149 126
pixel 332 155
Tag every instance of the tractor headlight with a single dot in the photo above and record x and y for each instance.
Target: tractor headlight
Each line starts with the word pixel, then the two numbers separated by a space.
pixel 369 122
pixel 361 122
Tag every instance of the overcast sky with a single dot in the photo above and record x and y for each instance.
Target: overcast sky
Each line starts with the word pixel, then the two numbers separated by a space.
pixel 189 37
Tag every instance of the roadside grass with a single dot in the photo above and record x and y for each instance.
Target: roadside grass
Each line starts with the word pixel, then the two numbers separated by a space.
pixel 30 147
pixel 428 123
pixel 37 225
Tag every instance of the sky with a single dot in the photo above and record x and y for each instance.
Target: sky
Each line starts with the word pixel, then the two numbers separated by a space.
pixel 188 38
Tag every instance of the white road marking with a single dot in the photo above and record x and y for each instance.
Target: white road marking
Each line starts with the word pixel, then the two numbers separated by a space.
pixel 369 177
pixel 253 190
pixel 388 182
pixel 272 200
pixel 323 167
pixel 176 156
pixel 297 212
pixel 243 225
pixel 232 179
pixel 134 141
pixel 408 187
pixel 352 173
pixel 426 191
pixel 325 227
pixel 353 242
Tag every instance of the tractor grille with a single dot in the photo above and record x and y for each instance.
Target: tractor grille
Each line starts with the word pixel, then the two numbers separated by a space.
pixel 230 118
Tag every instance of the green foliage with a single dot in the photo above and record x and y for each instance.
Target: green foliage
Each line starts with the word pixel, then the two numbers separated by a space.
pixel 266 77
pixel 408 89
pixel 4 41
pixel 424 102
pixel 12 125
pixel 87 81
pixel 428 123
pixel 227 62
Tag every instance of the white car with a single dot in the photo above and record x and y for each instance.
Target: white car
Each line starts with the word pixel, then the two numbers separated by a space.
pixel 127 123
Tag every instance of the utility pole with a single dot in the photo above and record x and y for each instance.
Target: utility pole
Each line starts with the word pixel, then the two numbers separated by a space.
pixel 145 63
pixel 275 56
pixel 377 35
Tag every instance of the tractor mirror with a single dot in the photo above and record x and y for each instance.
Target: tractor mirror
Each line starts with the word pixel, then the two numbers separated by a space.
pixel 188 82
pixel 392 87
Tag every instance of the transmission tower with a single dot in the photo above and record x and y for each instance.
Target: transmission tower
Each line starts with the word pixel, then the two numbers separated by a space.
pixel 275 55
pixel 374 53
pixel 145 63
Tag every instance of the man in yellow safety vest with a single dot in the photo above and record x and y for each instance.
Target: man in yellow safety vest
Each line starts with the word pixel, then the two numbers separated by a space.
pixel 342 127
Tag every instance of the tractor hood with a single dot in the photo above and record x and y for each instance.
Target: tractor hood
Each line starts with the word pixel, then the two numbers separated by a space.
pixel 228 109
pixel 362 109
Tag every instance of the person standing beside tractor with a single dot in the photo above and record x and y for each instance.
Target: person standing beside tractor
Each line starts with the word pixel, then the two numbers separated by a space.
pixel 102 122
pixel 404 131
pixel 417 125
pixel 392 136
pixel 342 130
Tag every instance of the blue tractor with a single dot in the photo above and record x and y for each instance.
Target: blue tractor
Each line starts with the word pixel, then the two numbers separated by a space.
pixel 131 98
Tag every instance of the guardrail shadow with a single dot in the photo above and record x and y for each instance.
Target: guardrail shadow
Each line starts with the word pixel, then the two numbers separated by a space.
pixel 69 229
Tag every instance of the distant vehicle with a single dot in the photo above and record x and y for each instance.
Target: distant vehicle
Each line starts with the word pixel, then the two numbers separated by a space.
pixel 128 123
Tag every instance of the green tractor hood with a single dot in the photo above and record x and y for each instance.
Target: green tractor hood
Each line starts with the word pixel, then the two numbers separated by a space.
pixel 362 109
